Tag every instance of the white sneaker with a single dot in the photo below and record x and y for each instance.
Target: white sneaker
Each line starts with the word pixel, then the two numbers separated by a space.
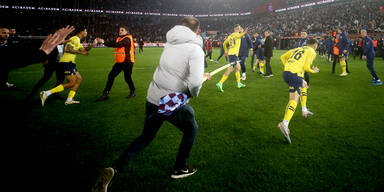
pixel 9 85
pixel 307 114
pixel 284 129
pixel 43 97
pixel 244 77
pixel 71 102
pixel 343 74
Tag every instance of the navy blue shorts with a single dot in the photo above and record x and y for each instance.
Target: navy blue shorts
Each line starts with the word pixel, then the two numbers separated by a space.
pixel 233 58
pixel 69 68
pixel 295 82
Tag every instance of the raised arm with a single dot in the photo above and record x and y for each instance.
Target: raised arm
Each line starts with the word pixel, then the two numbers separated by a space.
pixel 125 42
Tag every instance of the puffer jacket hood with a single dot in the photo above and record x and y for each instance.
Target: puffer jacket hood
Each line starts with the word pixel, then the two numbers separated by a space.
pixel 181 34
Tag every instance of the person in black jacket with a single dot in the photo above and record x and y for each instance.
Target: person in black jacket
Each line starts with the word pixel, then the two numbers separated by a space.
pixel 31 54
pixel 268 53
pixel 124 57
pixel 141 45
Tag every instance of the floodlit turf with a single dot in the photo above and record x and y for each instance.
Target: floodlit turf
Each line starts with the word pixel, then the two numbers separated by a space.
pixel 238 146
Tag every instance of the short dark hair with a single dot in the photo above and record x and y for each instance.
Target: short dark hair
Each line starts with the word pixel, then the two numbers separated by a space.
pixel 125 27
pixel 79 29
pixel 191 22
pixel 312 41
pixel 236 26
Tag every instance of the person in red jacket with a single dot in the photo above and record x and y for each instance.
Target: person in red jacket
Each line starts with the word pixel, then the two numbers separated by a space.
pixel 209 49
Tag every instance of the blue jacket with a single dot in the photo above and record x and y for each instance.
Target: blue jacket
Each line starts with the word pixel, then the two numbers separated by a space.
pixel 302 42
pixel 344 43
pixel 329 45
pixel 259 41
pixel 246 44
pixel 368 49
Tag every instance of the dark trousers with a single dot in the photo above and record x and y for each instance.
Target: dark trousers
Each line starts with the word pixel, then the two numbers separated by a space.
pixel 221 54
pixel 141 49
pixel 49 69
pixel 183 119
pixel 209 54
pixel 370 67
pixel 116 69
pixel 242 63
pixel 253 59
pixel 268 66
pixel 6 67
pixel 335 60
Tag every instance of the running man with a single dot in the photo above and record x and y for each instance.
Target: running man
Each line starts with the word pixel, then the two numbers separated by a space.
pixel 72 76
pixel 296 62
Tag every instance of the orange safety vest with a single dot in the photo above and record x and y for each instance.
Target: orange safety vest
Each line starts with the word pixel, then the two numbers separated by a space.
pixel 336 49
pixel 120 53
pixel 374 43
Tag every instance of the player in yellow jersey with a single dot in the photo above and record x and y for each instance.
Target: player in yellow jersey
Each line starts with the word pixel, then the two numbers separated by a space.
pixel 231 48
pixel 296 62
pixel 72 76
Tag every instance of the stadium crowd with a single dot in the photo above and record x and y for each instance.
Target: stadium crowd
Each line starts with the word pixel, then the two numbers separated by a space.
pixel 316 20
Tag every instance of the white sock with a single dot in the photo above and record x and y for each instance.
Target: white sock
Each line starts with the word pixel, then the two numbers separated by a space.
pixel 48 93
pixel 304 109
pixel 286 123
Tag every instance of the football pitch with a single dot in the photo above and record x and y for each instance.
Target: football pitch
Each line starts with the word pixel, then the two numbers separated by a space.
pixel 238 145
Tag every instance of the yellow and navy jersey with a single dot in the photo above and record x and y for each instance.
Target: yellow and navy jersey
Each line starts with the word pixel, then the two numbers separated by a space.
pixel 232 43
pixel 299 60
pixel 70 57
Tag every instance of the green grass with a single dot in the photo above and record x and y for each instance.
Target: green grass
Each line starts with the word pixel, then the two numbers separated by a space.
pixel 238 147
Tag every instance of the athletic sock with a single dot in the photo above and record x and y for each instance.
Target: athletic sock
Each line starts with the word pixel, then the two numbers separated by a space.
pixel 261 65
pixel 57 89
pixel 343 65
pixel 290 110
pixel 238 76
pixel 303 98
pixel 71 94
pixel 223 79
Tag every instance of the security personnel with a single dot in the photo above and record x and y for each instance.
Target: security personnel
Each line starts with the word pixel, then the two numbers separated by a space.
pixel 335 54
pixel 124 58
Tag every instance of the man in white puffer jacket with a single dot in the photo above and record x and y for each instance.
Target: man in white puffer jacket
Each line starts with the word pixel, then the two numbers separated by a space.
pixel 181 70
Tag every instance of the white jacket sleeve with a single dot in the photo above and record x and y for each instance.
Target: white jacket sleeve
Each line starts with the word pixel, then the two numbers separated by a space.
pixel 196 71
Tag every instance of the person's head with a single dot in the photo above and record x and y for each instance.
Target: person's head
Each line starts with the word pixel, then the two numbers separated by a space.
pixel 303 35
pixel 12 32
pixel 255 34
pixel 267 33
pixel 4 33
pixel 339 30
pixel 81 32
pixel 312 43
pixel 237 28
pixel 192 23
pixel 337 36
pixel 363 32
pixel 123 30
